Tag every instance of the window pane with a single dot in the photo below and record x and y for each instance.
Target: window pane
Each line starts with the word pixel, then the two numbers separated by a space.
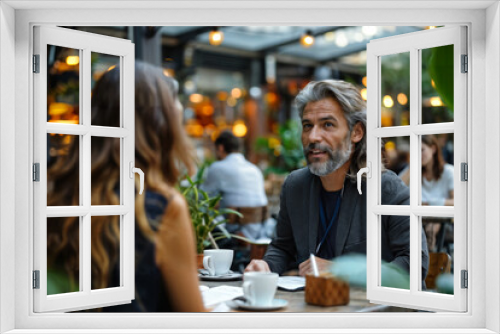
pixel 438 182
pixel 439 232
pixel 63 169
pixel 63 255
pixel 395 81
pixel 396 158
pixel 437 84
pixel 105 90
pixel 105 170
pixel 63 85
pixel 105 238
pixel 395 273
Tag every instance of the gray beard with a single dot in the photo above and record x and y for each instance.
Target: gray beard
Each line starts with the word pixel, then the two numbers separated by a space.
pixel 336 159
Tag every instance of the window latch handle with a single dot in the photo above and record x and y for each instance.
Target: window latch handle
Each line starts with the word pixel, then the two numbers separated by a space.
pixel 367 170
pixel 141 175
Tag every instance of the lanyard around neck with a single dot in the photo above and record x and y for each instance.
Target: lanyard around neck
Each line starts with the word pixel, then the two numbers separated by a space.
pixel 332 221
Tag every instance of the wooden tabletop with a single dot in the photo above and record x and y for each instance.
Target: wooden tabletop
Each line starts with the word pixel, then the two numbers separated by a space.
pixel 296 301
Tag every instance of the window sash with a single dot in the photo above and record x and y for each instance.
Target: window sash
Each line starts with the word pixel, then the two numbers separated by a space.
pixel 86 297
pixel 412 43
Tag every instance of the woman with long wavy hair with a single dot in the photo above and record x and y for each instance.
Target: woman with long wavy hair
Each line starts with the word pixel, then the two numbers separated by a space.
pixel 165 262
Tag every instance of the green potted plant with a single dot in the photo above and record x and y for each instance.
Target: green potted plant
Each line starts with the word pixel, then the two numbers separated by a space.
pixel 205 214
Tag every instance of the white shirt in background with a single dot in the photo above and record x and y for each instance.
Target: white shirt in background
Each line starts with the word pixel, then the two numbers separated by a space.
pixel 240 183
pixel 435 192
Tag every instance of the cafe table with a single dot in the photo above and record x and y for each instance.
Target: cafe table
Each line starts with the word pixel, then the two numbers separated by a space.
pixel 297 304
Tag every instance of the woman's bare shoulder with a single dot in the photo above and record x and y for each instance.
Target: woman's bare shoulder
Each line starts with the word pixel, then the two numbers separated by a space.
pixel 177 204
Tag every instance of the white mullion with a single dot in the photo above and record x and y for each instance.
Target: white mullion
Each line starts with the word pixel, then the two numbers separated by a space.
pixel 68 129
pixel 425 211
pixel 434 211
pixel 372 189
pixel 422 129
pixel 434 128
pixel 392 210
pixel 66 211
pixel 80 211
pixel 415 175
pixel 108 131
pixel 86 162
pixel 127 117
pixel 123 174
pixel 393 131
pixel 84 130
pixel 108 210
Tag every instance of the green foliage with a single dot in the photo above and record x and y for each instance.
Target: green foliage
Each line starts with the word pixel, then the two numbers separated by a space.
pixel 58 281
pixel 285 152
pixel 352 268
pixel 441 71
pixel 203 211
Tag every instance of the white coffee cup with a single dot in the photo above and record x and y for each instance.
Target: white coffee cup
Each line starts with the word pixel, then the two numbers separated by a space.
pixel 259 288
pixel 217 261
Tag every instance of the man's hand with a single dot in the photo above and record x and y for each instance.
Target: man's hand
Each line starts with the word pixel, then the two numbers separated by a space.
pixel 258 265
pixel 306 266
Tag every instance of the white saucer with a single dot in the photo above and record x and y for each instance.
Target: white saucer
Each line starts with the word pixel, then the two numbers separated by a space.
pixel 231 276
pixel 276 305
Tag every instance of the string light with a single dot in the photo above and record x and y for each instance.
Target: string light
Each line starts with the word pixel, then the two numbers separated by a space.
pixel 402 99
pixel 72 60
pixel 307 40
pixel 388 102
pixel 215 37
pixel 239 128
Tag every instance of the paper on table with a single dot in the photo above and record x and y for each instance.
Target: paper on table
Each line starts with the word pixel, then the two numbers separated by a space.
pixel 291 283
pixel 221 294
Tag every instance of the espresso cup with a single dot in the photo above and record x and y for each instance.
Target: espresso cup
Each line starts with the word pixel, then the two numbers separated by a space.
pixel 217 261
pixel 259 288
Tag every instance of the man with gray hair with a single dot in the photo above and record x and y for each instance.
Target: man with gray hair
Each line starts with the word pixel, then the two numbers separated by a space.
pixel 321 212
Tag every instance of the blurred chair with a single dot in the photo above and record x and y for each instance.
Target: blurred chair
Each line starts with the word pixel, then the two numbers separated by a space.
pixel 252 221
pixel 439 263
pixel 257 214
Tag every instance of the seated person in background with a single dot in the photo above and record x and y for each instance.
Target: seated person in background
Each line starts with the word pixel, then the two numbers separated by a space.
pixel 321 212
pixel 240 182
pixel 437 183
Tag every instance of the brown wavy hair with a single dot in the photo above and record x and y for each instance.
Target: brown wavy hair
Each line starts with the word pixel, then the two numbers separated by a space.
pixel 162 150
pixel 437 157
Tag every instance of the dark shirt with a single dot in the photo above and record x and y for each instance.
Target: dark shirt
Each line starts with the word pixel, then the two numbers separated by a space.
pixel 150 291
pixel 329 201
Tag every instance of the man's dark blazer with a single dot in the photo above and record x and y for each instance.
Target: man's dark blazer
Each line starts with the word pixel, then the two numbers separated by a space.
pixel 298 219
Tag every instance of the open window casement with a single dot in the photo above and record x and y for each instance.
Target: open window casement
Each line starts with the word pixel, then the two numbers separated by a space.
pixel 436 59
pixel 79 59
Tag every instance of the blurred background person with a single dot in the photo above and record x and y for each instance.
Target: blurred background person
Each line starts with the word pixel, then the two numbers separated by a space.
pixel 165 262
pixel 437 183
pixel 240 183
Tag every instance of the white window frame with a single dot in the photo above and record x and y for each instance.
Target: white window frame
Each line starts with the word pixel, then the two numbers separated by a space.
pixel 85 43
pixel 16 26
pixel 412 44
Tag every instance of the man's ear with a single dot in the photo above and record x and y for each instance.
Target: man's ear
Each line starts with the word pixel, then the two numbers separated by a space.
pixel 357 133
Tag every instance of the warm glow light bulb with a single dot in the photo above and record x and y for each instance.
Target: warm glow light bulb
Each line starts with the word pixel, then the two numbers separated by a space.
pixel 196 98
pixel 239 129
pixel 436 101
pixel 402 99
pixel 388 102
pixel 365 81
pixel 215 37
pixel 72 60
pixel 236 93
pixel 364 94
pixel 307 39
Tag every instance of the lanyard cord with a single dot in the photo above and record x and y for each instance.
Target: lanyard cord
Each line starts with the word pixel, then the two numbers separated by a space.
pixel 323 218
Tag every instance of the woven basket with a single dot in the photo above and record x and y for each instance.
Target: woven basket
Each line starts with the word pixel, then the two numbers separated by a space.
pixel 326 290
